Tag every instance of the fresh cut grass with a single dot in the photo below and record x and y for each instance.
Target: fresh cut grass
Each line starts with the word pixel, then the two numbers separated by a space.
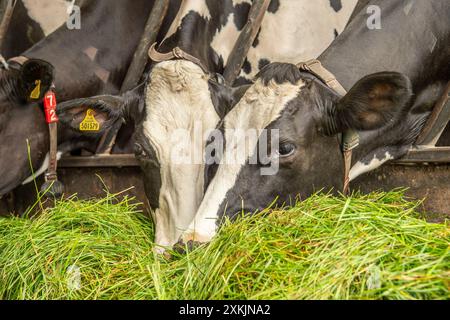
pixel 359 247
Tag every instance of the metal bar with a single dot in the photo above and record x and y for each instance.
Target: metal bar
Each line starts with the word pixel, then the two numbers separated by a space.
pixel 437 121
pixel 245 40
pixel 106 161
pixel 417 156
pixel 140 57
pixel 426 155
pixel 137 66
pixel 432 155
pixel 8 10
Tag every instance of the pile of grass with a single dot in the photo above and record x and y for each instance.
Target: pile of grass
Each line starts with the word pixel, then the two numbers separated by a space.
pixel 103 242
pixel 361 247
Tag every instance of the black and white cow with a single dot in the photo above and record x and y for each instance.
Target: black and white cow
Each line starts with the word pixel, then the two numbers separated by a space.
pixel 394 76
pixel 33 20
pixel 89 61
pixel 296 31
pixel 183 103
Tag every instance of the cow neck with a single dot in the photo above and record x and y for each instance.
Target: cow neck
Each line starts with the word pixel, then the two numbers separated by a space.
pixel 350 138
pixel 408 42
pixel 175 54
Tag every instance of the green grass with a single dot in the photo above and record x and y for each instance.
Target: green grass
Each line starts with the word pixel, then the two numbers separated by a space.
pixel 362 247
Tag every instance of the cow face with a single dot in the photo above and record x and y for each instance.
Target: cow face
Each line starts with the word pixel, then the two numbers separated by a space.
pixel 22 124
pixel 306 117
pixel 173 115
pixel 179 113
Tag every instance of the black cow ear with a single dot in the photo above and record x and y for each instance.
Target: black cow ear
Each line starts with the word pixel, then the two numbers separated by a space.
pixel 96 114
pixel 224 97
pixel 91 115
pixel 372 102
pixel 36 78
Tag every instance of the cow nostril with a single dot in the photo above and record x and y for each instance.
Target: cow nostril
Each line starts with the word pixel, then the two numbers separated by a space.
pixel 182 248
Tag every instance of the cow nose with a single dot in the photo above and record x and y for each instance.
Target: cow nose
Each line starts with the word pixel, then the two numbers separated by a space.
pixel 182 247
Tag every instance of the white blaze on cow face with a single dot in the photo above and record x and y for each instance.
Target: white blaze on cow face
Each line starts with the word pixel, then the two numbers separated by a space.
pixel 298 31
pixel 260 106
pixel 49 14
pixel 178 98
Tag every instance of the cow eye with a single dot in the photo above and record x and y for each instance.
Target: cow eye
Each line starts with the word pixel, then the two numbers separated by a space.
pixel 139 150
pixel 286 149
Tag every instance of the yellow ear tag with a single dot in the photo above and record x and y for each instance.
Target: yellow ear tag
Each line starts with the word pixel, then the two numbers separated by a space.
pixel 89 123
pixel 36 93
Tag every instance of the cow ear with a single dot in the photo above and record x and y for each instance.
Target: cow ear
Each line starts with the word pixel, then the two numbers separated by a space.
pixel 224 97
pixel 372 102
pixel 36 78
pixel 91 115
pixel 96 114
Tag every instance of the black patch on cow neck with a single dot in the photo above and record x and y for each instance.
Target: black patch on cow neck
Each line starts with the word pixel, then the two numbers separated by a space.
pixel 336 33
pixel 256 41
pixel 336 5
pixel 241 12
pixel 262 63
pixel 274 6
pixel 247 67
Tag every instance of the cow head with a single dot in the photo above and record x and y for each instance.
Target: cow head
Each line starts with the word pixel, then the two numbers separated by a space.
pixel 298 120
pixel 172 114
pixel 22 124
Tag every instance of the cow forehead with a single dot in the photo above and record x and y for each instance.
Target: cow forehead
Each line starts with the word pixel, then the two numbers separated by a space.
pixel 177 97
pixel 261 105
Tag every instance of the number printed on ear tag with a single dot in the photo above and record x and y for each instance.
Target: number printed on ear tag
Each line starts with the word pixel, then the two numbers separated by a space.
pixel 89 123
pixel 36 93
pixel 50 107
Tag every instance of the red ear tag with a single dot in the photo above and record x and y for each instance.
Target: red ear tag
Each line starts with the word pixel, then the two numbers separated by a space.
pixel 50 107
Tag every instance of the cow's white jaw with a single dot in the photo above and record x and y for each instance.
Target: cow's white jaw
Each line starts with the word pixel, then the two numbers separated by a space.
pixel 360 168
pixel 180 196
pixel 202 230
pixel 200 234
pixel 165 232
pixel 42 169
pixel 179 109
